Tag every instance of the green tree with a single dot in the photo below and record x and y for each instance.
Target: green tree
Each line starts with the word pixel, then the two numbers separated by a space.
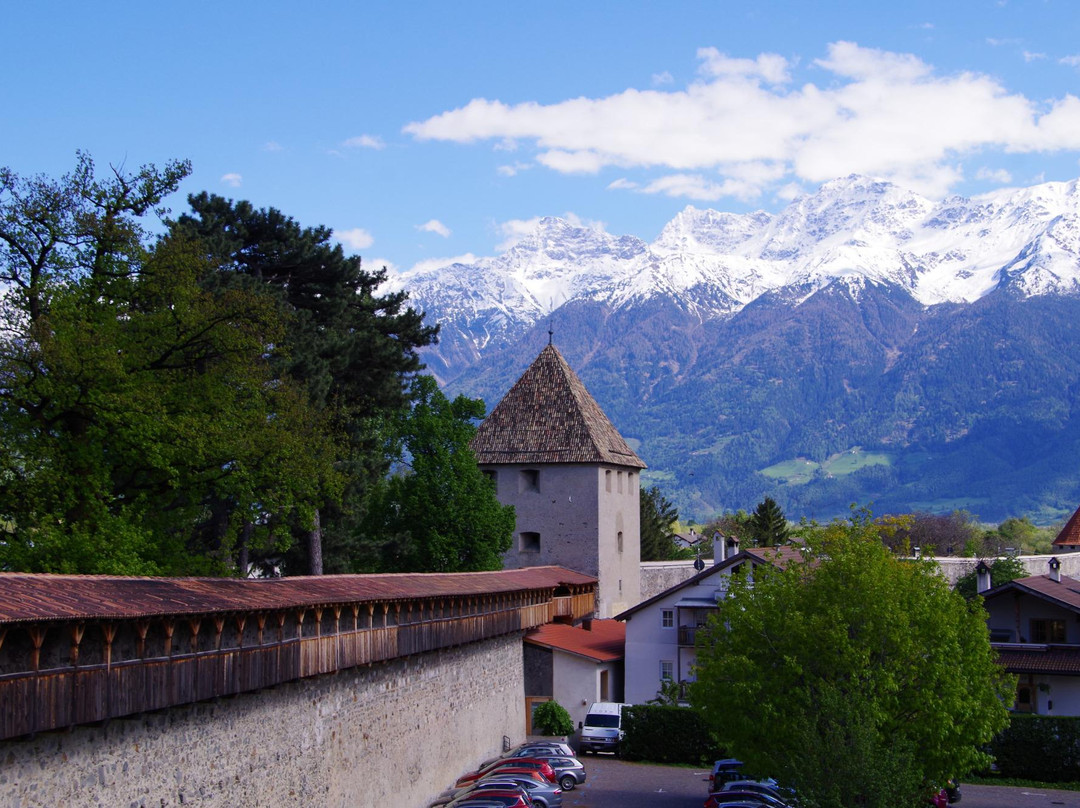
pixel 551 718
pixel 768 525
pixel 658 515
pixel 878 678
pixel 130 395
pixel 1002 570
pixel 350 347
pixel 438 512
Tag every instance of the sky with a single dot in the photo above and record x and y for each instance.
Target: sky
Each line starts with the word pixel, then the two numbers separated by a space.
pixel 427 132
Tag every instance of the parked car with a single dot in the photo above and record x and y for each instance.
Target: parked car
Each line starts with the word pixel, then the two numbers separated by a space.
pixel 569 772
pixel 724 770
pixel 540 792
pixel 493 797
pixel 601 730
pixel 513 778
pixel 536 764
pixel 770 787
pixel 718 798
pixel 534 750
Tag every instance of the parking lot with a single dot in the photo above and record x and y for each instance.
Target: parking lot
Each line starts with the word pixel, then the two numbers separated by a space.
pixel 615 783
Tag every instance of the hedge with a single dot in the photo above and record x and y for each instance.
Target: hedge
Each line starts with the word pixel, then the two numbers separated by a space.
pixel 667 734
pixel 1039 747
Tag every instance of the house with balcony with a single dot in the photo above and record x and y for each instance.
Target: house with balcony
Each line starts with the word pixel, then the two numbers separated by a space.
pixel 1034 626
pixel 661 632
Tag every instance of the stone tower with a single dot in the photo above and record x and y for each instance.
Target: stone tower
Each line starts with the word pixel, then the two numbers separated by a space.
pixel 572 479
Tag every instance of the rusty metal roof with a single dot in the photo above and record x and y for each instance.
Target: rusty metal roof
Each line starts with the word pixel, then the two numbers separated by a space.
pixel 604 641
pixel 549 417
pixel 32 597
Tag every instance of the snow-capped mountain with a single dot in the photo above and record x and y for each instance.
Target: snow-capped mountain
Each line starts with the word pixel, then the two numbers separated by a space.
pixel 712 264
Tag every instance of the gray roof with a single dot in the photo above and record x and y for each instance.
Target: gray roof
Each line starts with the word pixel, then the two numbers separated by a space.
pixel 549 417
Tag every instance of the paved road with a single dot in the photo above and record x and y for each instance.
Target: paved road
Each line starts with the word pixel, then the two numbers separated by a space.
pixel 617 784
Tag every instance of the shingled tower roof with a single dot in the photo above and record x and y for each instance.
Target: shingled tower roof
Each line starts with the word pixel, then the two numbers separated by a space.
pixel 549 417
pixel 1069 537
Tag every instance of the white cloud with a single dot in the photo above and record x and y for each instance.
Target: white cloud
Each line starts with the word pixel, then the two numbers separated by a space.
pixel 998 175
pixel 622 183
pixel 355 239
pixel 272 146
pixel 364 142
pixel 659 79
pixel 375 264
pixel 744 127
pixel 436 227
pixel 232 180
pixel 513 169
pixel 1071 61
pixel 1033 57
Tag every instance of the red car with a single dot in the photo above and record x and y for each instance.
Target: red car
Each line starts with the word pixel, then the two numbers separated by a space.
pixel 519 764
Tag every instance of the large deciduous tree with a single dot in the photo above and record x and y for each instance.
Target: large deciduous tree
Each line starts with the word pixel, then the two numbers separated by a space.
pixel 850 675
pixel 132 398
pixel 438 512
pixel 351 348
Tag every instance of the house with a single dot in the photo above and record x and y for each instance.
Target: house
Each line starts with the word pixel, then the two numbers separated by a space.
pixel 572 479
pixel 660 631
pixel 1034 626
pixel 574 665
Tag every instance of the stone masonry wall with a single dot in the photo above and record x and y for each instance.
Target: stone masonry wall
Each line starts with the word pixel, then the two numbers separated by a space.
pixel 395 733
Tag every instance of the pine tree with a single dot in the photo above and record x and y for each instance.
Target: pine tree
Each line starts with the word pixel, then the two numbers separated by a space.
pixel 768 525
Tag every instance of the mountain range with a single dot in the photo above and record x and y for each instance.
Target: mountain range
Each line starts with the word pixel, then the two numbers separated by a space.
pixel 864 345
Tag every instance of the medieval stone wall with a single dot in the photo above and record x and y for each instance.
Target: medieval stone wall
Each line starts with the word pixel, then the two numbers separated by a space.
pixel 394 733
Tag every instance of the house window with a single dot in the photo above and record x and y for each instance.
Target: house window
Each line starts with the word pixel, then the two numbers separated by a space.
pixel 667 670
pixel 607 481
pixel 530 542
pixel 605 695
pixel 1048 631
pixel 620 541
pixel 667 618
pixel 529 480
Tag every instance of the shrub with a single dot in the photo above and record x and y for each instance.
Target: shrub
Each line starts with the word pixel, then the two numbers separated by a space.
pixel 551 718
pixel 667 734
pixel 1039 747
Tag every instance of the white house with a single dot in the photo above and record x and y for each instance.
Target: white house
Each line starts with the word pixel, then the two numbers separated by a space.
pixel 1034 626
pixel 660 631
pixel 574 665
pixel 572 479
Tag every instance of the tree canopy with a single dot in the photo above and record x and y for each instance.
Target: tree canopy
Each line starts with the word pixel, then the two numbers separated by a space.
pixel 1002 570
pixel 438 512
pixel 768 525
pixel 658 515
pixel 850 675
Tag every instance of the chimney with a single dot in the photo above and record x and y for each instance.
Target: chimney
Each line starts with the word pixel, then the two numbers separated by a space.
pixel 982 576
pixel 717 548
pixel 732 546
pixel 1055 570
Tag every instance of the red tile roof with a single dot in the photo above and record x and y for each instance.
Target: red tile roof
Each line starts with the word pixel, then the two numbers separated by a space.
pixel 549 417
pixel 1040 659
pixel 1065 592
pixel 1070 534
pixel 604 642
pixel 27 597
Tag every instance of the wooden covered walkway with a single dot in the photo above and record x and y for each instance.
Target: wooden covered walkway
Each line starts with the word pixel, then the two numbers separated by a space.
pixel 85 649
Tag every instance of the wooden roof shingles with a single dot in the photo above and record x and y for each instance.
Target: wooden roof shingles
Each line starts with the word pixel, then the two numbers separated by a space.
pixel 1070 534
pixel 549 417
pixel 34 597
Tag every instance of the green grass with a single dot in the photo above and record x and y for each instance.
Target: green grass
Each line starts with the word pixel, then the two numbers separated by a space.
pixel 801 470
pixel 994 780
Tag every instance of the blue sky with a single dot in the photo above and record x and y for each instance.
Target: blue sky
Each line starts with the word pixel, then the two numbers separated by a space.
pixel 425 131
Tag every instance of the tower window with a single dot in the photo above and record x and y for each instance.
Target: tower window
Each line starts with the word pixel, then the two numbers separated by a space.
pixel 620 541
pixel 620 482
pixel 607 480
pixel 529 480
pixel 530 542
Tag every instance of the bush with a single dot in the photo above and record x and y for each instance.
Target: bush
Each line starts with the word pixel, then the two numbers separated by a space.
pixel 551 718
pixel 1039 747
pixel 666 734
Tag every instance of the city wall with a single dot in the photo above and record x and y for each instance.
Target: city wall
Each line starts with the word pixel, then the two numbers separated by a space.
pixel 392 733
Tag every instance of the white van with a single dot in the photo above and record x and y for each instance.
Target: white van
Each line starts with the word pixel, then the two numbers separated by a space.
pixel 602 729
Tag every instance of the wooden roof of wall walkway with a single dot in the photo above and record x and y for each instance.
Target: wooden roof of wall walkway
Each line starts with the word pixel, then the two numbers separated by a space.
pixel 549 417
pixel 35 597
pixel 1069 537
pixel 78 649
